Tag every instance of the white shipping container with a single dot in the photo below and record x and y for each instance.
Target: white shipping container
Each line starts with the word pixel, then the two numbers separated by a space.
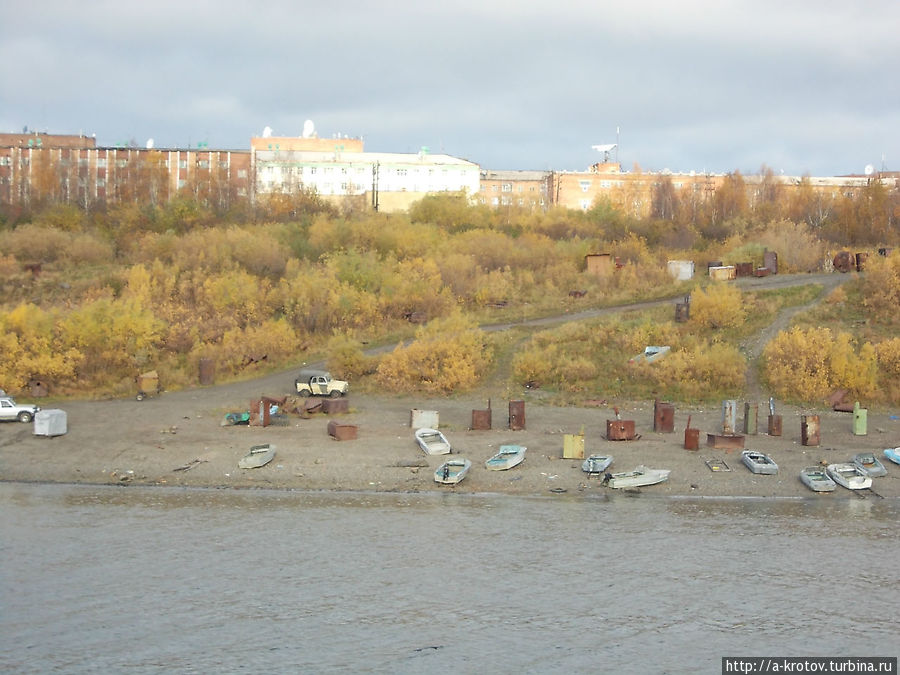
pixel 50 422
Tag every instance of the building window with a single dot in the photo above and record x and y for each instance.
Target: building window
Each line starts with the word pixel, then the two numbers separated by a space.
pixel 312 170
pixel 242 173
pixel 605 184
pixel 585 185
pixel 203 163
pixel 121 163
pixel 101 182
pixel 401 172
pixel 4 161
pixel 507 187
pixel 101 162
pixel 181 183
pixel 494 188
pixel 182 164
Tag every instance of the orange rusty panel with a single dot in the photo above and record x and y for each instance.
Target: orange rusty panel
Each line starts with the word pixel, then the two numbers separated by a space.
pixel 663 417
pixel 809 429
pixel 743 269
pixel 481 420
pixel 620 430
pixel 342 432
pixel 774 425
pixel 517 415
pixel 334 406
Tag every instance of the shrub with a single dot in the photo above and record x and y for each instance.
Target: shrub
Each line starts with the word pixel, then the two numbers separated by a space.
pixel 808 365
pixel 719 306
pixel 881 287
pixel 447 355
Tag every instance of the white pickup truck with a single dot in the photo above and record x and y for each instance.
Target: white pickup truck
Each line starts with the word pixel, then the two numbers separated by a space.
pixel 10 410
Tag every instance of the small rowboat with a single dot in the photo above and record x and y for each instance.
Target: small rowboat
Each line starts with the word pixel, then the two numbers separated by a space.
pixel 849 476
pixel 452 471
pixel 870 464
pixel 508 457
pixel 259 455
pixel 893 454
pixel 637 477
pixel 816 479
pixel 432 441
pixel 759 462
pixel 597 463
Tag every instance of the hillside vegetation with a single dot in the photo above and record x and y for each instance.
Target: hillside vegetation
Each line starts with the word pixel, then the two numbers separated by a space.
pixel 137 288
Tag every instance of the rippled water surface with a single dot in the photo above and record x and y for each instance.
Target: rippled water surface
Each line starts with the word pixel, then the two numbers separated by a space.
pixel 146 580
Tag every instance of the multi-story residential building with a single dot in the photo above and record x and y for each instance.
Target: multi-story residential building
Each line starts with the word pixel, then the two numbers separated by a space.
pixel 526 189
pixel 35 167
pixel 338 169
pixel 39 167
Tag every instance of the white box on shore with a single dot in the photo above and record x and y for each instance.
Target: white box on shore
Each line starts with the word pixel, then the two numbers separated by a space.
pixel 50 422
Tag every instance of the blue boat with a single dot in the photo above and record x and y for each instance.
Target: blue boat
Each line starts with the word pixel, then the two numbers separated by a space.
pixel 893 454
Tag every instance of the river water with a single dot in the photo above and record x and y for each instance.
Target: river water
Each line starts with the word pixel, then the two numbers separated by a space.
pixel 151 580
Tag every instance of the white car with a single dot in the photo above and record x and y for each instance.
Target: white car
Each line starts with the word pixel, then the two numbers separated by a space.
pixel 10 410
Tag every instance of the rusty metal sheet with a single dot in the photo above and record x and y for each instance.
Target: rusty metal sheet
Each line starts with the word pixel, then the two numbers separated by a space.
pixel 774 425
pixel 809 429
pixel 481 420
pixel 729 417
pixel 725 441
pixel 663 417
pixel 517 415
pixel 844 261
pixel 620 430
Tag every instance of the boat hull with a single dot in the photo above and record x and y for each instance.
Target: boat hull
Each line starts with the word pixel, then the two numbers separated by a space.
pixel 817 480
pixel 508 457
pixel 893 454
pixel 849 476
pixel 432 442
pixel 597 463
pixel 869 465
pixel 452 471
pixel 259 455
pixel 638 477
pixel 759 463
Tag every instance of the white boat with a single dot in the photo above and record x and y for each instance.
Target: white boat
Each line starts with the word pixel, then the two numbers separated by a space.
pixel 432 441
pixel 816 479
pixel 849 475
pixel 597 463
pixel 259 455
pixel 759 462
pixel 452 471
pixel 506 458
pixel 637 477
pixel 893 454
pixel 870 464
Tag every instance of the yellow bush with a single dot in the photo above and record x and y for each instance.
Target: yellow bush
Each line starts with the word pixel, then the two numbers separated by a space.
pixel 701 372
pixel 881 287
pixel 346 359
pixel 31 349
pixel 808 365
pixel 448 355
pixel 273 340
pixel 719 306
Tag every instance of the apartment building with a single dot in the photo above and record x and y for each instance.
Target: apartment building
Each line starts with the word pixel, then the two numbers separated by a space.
pixel 524 189
pixel 35 166
pixel 339 168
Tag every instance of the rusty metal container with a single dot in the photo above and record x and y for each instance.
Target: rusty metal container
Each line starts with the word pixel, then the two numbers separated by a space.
pixel 751 418
pixel 724 273
pixel 620 430
pixel 259 412
pixel 335 406
pixel 861 261
pixel 207 371
pixel 713 263
pixel 682 311
pixel 761 272
pixel 774 425
pixel 481 420
pixel 843 261
pixel 342 432
pixel 663 417
pixel 770 261
pixel 517 415
pixel 743 269
pixel 691 439
pixel 729 417
pixel 809 429
pixel 725 441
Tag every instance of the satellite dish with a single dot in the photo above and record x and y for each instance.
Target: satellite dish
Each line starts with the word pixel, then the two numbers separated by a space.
pixel 309 129
pixel 267 132
pixel 869 170
pixel 149 143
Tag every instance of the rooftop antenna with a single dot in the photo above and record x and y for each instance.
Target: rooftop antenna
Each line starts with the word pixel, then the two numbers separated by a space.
pixel 605 149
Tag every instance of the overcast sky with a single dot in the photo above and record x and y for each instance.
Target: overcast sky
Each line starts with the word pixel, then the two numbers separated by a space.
pixel 719 86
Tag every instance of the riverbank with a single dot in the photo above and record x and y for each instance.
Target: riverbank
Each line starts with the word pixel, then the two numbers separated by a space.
pixel 177 439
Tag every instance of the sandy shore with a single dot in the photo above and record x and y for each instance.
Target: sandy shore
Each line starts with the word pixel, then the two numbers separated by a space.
pixel 177 439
